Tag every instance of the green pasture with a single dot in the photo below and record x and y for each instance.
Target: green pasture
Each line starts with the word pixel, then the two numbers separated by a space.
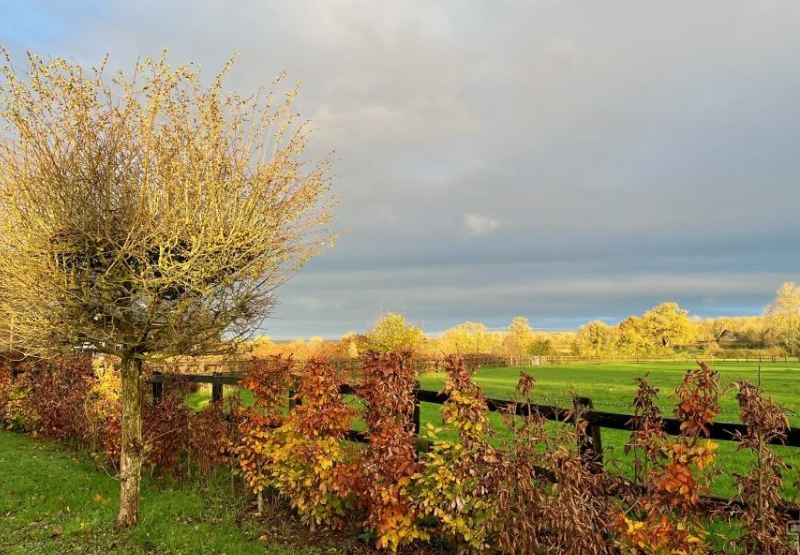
pixel 54 501
pixel 611 386
pixel 57 502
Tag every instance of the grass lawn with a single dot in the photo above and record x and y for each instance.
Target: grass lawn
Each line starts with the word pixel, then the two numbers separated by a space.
pixel 611 386
pixel 57 502
pixel 54 501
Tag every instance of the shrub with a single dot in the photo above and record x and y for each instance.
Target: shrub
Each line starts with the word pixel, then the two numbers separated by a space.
pixel 666 520
pixel 103 411
pixel 648 436
pixel 764 522
pixel 520 525
pixel 306 457
pixel 576 512
pixel 268 380
pixel 56 392
pixel 458 486
pixel 391 460
pixel 19 413
pixel 576 509
pixel 537 493
pixel 165 427
pixel 713 349
pixel 210 438
pixel 6 382
pixel 553 498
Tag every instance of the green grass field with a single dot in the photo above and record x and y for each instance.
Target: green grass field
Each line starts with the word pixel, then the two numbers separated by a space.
pixel 56 502
pixel 611 386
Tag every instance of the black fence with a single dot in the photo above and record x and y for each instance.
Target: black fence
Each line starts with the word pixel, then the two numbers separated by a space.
pixel 590 443
pixel 582 409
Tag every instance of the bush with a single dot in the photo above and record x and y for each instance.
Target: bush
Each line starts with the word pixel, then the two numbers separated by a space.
pixel 458 486
pixel 103 411
pixel 520 525
pixel 554 497
pixel 55 393
pixel 6 382
pixel 165 427
pixel 391 459
pixel 306 457
pixel 19 412
pixel 667 520
pixel 210 439
pixel 268 380
pixel 765 523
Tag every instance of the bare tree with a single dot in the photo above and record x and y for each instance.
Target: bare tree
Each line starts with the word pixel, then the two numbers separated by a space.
pixel 147 216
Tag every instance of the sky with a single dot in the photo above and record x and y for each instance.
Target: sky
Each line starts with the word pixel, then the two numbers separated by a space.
pixel 561 160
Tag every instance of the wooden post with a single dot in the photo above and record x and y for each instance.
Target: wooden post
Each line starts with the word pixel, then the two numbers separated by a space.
pixel 216 392
pixel 590 443
pixel 416 414
pixel 158 388
pixel 292 393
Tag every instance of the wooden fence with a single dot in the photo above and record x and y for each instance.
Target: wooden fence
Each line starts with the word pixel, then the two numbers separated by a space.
pixel 562 359
pixel 424 365
pixel 583 408
pixel 590 443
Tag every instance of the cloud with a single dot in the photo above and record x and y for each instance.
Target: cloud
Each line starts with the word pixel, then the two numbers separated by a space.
pixel 643 151
pixel 315 304
pixel 480 226
pixel 387 125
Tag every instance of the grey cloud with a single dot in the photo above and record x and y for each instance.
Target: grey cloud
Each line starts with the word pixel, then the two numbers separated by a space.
pixel 479 225
pixel 561 160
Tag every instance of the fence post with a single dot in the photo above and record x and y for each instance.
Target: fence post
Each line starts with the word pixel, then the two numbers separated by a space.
pixel 158 388
pixel 416 414
pixel 216 392
pixel 590 443
pixel 292 393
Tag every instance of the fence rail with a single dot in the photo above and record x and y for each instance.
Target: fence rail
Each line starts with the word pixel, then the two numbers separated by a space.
pixel 582 407
pixel 428 364
pixel 590 444
pixel 558 359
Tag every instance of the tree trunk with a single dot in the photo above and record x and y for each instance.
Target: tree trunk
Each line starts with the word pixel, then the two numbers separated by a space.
pixel 132 448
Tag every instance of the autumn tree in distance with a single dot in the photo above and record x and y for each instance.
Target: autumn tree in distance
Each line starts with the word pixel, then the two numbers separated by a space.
pixel 148 215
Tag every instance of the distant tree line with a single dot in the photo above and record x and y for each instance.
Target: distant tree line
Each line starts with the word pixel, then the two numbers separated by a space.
pixel 665 329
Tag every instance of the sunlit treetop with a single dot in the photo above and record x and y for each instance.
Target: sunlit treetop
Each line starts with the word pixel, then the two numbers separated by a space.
pixel 149 213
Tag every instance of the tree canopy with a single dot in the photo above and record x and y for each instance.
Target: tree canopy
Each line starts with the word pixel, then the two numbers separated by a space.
pixel 669 325
pixel 392 333
pixel 783 318
pixel 147 215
